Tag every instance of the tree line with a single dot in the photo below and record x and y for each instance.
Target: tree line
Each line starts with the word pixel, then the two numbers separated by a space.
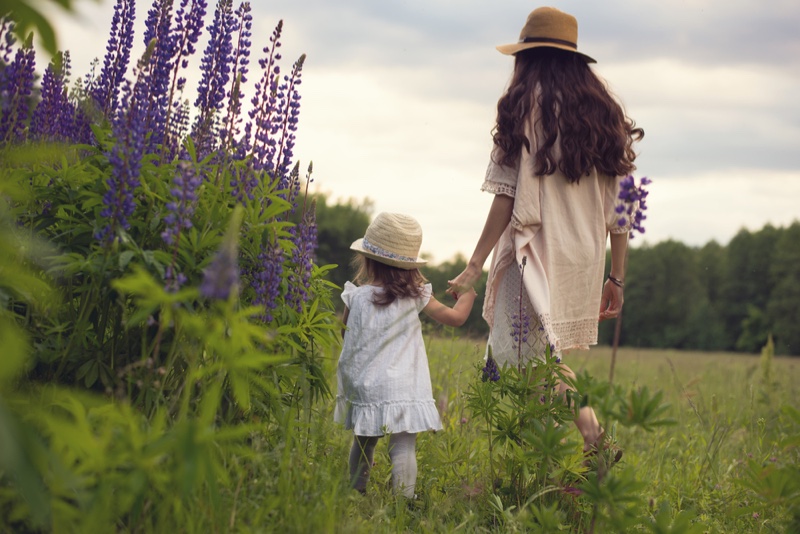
pixel 711 298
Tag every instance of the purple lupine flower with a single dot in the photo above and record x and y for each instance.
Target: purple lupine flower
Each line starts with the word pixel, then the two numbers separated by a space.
pixel 241 61
pixel 216 70
pixel 181 207
pixel 188 27
pixel 7 41
pixel 290 112
pixel 634 203
pixel 490 372
pixel 520 321
pixel 265 125
pixel 163 44
pixel 244 180
pixel 125 157
pixel 105 91
pixel 267 278
pixel 221 278
pixel 173 279
pixel 304 236
pixel 16 86
pixel 54 115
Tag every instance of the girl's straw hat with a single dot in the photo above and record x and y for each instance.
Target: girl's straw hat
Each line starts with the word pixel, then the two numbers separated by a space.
pixel 393 239
pixel 547 26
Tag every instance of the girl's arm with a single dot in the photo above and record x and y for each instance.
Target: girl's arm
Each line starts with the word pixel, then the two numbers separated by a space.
pixel 496 222
pixel 455 316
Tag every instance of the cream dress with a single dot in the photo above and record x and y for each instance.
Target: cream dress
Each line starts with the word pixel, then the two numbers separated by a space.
pixel 384 384
pixel 561 230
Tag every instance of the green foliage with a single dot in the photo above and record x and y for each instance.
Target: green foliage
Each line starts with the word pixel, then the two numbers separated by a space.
pixel 29 16
pixel 714 297
pixel 339 225
pixel 125 401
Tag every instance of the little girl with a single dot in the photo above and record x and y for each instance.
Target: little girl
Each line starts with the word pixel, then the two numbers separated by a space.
pixel 383 377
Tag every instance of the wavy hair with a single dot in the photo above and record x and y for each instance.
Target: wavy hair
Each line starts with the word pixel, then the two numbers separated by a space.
pixel 573 107
pixel 396 282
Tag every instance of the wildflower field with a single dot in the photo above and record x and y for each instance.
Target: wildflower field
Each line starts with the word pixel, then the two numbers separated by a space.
pixel 168 343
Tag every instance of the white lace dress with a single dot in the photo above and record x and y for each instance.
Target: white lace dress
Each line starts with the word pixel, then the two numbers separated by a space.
pixel 384 383
pixel 561 229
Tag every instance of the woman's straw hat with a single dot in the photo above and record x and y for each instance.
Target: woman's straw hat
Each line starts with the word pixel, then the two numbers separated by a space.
pixel 547 26
pixel 393 239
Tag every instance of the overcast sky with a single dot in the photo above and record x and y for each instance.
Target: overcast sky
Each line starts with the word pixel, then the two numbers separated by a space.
pixel 398 101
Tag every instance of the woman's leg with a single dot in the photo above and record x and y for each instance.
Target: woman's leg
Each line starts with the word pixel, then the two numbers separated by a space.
pixel 403 453
pixel 361 454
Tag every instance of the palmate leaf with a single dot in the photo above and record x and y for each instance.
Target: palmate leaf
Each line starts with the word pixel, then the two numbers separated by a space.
pixel 682 523
pixel 774 485
pixel 644 410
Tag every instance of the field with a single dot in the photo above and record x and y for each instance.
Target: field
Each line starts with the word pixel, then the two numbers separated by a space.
pixel 692 475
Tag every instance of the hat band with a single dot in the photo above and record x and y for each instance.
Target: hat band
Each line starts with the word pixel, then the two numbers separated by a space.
pixel 385 253
pixel 549 40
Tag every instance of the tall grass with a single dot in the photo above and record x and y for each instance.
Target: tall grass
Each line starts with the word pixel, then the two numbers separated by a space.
pixel 700 475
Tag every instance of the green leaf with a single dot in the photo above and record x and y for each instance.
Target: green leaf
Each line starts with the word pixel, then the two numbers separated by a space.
pixel 125 258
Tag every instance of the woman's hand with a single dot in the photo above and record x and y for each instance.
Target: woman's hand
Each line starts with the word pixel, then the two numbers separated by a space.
pixel 610 301
pixel 464 281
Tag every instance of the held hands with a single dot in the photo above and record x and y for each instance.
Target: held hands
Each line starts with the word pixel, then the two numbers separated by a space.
pixel 464 283
pixel 611 301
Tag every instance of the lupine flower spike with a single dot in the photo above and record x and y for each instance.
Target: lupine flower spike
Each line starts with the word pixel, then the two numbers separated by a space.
pixel 125 157
pixel 634 203
pixel 16 86
pixel 180 208
pixel 490 372
pixel 216 68
pixel 188 26
pixel 241 62
pixel 54 116
pixel 221 278
pixel 520 321
pixel 267 278
pixel 304 236
pixel 105 90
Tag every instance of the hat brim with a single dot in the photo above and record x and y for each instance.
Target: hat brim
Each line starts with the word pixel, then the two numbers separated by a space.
pixel 358 246
pixel 513 48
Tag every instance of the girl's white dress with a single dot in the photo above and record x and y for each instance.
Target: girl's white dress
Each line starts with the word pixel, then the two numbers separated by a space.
pixel 384 384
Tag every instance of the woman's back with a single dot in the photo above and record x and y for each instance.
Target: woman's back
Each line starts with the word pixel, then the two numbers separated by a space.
pixel 580 124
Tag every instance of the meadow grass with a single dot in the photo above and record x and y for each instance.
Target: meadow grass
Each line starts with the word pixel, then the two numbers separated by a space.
pixel 727 408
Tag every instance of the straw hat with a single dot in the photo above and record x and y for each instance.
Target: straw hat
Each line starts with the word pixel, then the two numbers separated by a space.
pixel 547 26
pixel 393 239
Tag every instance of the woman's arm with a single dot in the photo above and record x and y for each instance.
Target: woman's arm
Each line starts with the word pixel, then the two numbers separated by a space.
pixel 612 298
pixel 496 222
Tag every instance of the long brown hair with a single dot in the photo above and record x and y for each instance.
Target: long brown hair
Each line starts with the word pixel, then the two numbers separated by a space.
pixel 396 282
pixel 574 106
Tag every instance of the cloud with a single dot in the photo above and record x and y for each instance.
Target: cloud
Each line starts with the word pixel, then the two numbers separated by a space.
pixel 698 208
pixel 399 99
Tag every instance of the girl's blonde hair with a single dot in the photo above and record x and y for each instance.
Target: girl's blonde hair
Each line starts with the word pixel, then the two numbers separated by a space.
pixel 396 282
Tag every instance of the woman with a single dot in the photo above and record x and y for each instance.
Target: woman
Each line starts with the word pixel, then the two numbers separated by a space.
pixel 561 145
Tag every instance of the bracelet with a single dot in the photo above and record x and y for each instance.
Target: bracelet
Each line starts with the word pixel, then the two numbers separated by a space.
pixel 617 282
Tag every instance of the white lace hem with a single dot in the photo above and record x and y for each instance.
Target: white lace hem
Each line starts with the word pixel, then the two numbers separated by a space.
pixel 497 188
pixel 388 417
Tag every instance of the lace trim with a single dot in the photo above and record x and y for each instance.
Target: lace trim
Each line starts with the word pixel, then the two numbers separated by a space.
pixel 576 334
pixel 497 188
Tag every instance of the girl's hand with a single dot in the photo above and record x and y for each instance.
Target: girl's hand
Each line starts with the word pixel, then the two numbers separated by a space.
pixel 611 301
pixel 464 281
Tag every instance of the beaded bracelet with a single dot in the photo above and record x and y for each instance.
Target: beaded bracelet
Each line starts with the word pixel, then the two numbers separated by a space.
pixel 616 281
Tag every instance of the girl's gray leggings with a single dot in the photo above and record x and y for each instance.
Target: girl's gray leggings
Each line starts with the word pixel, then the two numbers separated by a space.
pixel 402 452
